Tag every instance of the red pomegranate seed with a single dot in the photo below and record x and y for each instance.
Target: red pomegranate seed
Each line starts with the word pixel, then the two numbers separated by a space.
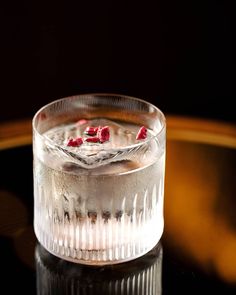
pixel 142 133
pixel 71 142
pixel 103 134
pixel 75 142
pixel 92 139
pixel 91 130
pixel 79 140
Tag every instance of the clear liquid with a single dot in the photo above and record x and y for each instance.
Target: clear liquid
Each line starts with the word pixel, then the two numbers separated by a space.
pixel 108 214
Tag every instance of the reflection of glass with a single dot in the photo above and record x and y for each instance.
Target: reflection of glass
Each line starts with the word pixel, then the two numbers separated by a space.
pixel 140 276
pixel 99 202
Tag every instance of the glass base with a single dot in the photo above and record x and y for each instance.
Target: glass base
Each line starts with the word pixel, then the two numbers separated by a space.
pixel 100 262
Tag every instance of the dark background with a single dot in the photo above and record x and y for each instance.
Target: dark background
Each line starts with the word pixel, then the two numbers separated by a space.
pixel 179 55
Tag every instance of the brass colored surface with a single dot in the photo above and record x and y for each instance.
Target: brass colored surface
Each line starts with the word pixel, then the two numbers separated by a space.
pixel 200 192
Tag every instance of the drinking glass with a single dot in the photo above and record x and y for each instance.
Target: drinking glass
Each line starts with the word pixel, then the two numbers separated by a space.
pixel 99 167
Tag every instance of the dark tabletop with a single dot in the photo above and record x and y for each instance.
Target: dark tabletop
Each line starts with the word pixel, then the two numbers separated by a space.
pixel 197 252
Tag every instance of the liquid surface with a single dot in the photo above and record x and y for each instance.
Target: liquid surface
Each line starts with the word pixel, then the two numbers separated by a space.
pixel 122 146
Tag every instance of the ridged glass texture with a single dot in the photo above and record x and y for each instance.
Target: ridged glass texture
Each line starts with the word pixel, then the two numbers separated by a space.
pixel 100 215
pixel 140 277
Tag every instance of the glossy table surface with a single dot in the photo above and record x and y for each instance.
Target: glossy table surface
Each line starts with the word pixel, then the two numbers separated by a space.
pixel 197 251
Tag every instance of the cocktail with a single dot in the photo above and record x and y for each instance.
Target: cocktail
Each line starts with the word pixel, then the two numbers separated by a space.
pixel 99 166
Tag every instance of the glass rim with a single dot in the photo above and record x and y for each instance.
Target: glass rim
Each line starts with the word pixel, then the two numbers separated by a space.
pixel 103 94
